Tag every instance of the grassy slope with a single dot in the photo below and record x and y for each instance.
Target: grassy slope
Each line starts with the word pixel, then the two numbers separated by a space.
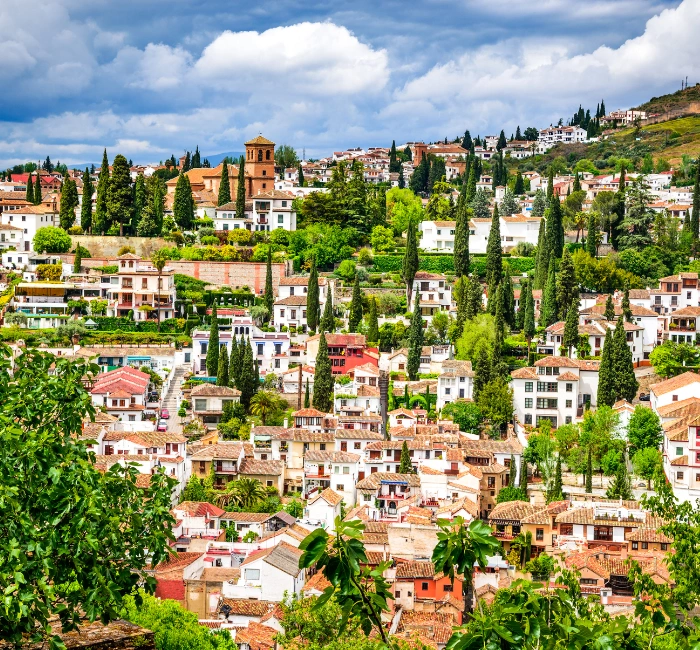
pixel 677 100
pixel 669 140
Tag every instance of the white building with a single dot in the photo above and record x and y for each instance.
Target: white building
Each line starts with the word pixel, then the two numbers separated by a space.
pixel 290 306
pixel 556 389
pixel 267 210
pixel 30 218
pixel 122 393
pixel 554 135
pixel 435 293
pixel 324 508
pixel 456 381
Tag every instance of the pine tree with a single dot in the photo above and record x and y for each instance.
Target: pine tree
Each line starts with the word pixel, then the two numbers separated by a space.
pixel 523 474
pixel 30 189
pixel 626 307
pixel 482 370
pixel 301 176
pixel 269 297
pixel 542 260
pixel 373 325
pixel 502 144
pixel 539 203
pixel 402 180
pixel 69 202
pixel 548 308
pixel 222 378
pixel 313 306
pixel 620 487
pixel 577 183
pixel 410 260
pixel 494 266
pixel 86 204
pixel 234 365
pixel 567 285
pixel 480 205
pixel 609 312
pixel 307 400
pixel 475 294
pixel 248 376
pixel 589 472
pixel 323 378
pixel 592 236
pixel 119 196
pixel 606 373
pixel 139 202
pixel 695 216
pixel 415 340
pixel 626 383
pixel 405 466
pixel 556 493
pixel 224 186
pixel 78 259
pixel 183 203
pixel 461 242
pixel 328 319
pixel 38 197
pixel 570 339
pixel 356 306
pixel 240 190
pixel 467 141
pixel 213 349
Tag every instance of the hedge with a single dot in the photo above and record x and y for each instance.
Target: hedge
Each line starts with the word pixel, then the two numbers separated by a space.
pixel 445 264
pixel 123 324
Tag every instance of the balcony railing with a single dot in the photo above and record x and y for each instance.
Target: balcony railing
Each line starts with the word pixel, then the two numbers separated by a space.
pixel 226 470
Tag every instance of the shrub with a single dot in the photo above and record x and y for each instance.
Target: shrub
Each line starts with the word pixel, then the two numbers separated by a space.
pixel 240 236
pixel 75 230
pixel 365 257
pixel 126 249
pixel 50 272
pixel 209 240
pixel 50 239
pixel 346 270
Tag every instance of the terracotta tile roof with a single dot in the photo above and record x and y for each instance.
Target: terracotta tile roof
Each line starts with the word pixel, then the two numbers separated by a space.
pixel 251 517
pixel 257 636
pixel 199 509
pixel 567 376
pixel 683 408
pixel 648 535
pixel 298 281
pixel 461 504
pixel 220 574
pixel 360 512
pixel 252 467
pixel 353 340
pixel 524 373
pixel 513 510
pixel 357 434
pixel 309 413
pixel 246 607
pixel 329 495
pixel 222 450
pixel 373 481
pixel 260 140
pixel 210 390
pixel 178 561
pixel 317 582
pixel 453 368
pixel 145 438
pixel 415 569
pixel 375 557
pixel 509 446
pixel 681 460
pixel 331 456
pixel 367 391
pixel 674 383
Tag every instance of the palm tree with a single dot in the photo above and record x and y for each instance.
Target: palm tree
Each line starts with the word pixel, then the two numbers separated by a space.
pixel 523 544
pixel 159 259
pixel 265 403
pixel 245 493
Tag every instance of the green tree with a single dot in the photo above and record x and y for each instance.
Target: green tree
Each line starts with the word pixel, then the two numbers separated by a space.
pixel 695 215
pixel 38 196
pixel 410 260
pixel 86 205
pixel 213 349
pixel 266 403
pixel 636 224
pixel 244 492
pixel 556 493
pixel 461 241
pixel 57 519
pixel 494 264
pixel 269 298
pixel 323 378
pixel 355 306
pixel 548 308
pixel 415 340
pixel 620 488
pixel 240 189
pixel 465 414
pixel 159 259
pixel 222 378
pixel 480 205
pixel 234 365
pixel 328 319
pixel 670 359
pixel 473 298
pixel 183 203
pixel 119 197
pixel 313 306
pixel 140 201
pixel 194 490
pixel 567 285
pixel 482 370
pixel 592 235
pixel 69 202
pixel 571 328
pixel 589 471
pixel 519 187
pixel 511 493
pixel 373 324
pixel 529 316
pixel 248 379
pixel 539 204
pixel 224 185
pixel 78 259
pixel 523 476
pixel 30 189
pixel 151 222
pixel 513 472
pixel 606 372
pixel 509 205
pixel 307 400
pixel 50 239
pixel 644 430
pixel 609 312
pixel 626 383
pixel 541 568
pixel 405 466
pixel 495 401
pixel 542 258
pixel 555 229
pixel 626 307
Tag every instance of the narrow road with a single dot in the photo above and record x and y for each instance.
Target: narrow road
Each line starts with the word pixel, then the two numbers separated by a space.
pixel 171 400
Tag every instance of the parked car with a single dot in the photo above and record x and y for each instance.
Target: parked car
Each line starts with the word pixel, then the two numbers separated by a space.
pixel 165 414
pixel 644 397
pixel 162 425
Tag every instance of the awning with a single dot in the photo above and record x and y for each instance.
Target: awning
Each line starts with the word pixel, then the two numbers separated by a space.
pixel 137 358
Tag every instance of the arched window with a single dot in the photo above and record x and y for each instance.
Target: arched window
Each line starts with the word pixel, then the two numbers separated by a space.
pixel 267 155
pixel 259 155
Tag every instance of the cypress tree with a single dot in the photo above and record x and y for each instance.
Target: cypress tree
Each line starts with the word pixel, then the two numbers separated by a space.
pixel 539 203
pixel 86 205
pixel 519 187
pixel 606 373
pixel 119 196
pixel 620 487
pixel 69 202
pixel 512 475
pixel 523 474
pixel 402 180
pixel 78 259
pixel 592 236
pixel 619 209
pixel 550 187
pixel 567 286
pixel 183 203
pixel 548 309
pixel 474 298
pixel 256 373
pixel 570 339
pixel 158 199
pixel 482 370
pixel 37 191
pixel 502 144
pixel 248 374
pixel 307 401
pixel 467 141
pixel 234 365
pixel 301 176
pixel 394 164
pixel 520 314
pixel 323 378
pixel 542 259
pixel 528 318
pixel 461 243
pixel 609 312
pixel 240 190
pixel 196 158
pixel 406 396
pixel 470 191
pixel 415 340
pixel 30 189
pixel 626 307
pixel 410 260
pixel 623 365
pixel 328 319
pixel 242 347
pixel 313 306
pixel 140 199
pixel 405 466
pixel 213 350
pixel 224 186
pixel 356 306
pixel 589 472
pixel 556 493
pixel 461 291
pixel 508 298
pixel 499 368
pixel 269 296
pixel 222 378
pixel 373 325
pixel 695 216
pixel 494 267
pixel 577 183
pixel 555 229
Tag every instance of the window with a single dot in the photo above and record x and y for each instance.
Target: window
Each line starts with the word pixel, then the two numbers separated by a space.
pixel 568 403
pixel 268 483
pixel 356 445
pixel 545 403
pixel 340 487
pixel 346 470
pixel 679 451
pixel 679 476
pixel 567 419
pixel 588 581
pixel 261 348
pixel 528 386
pixel 547 387
pixel 635 546
pixel 447 587
pixel 569 388
pixel 528 418
pixel 200 405
pixel 280 218
pixel 252 574
pixel 566 529
pixel 424 586
pixel 539 534
pixel 645 546
pixel 664 546
pixel 528 402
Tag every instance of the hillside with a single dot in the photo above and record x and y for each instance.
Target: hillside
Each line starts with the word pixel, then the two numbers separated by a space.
pixel 680 100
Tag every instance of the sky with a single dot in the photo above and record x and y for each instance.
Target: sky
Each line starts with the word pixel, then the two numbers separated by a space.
pixel 150 78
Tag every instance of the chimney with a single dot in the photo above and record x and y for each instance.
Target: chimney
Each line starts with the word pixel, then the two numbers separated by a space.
pixel 623 552
pixel 286 423
pixel 384 400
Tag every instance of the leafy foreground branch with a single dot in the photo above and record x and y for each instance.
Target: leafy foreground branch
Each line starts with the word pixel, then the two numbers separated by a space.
pixel 528 615
pixel 75 541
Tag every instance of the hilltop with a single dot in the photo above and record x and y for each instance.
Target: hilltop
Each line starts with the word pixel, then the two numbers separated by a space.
pixel 681 100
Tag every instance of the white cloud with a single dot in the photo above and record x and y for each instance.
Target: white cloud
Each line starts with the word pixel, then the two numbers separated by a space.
pixel 315 58
pixel 161 67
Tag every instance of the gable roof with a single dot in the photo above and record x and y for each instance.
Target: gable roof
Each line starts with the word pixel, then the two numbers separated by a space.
pixel 674 383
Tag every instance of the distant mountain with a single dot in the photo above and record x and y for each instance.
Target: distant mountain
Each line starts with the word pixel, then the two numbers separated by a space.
pixel 215 158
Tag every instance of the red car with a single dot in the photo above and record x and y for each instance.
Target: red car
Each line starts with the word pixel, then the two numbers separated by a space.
pixel 162 425
pixel 165 414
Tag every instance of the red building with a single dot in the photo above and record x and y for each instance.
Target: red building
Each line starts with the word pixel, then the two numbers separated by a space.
pixel 346 351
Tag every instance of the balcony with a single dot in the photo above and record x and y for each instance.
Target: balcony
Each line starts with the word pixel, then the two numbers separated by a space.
pixel 225 470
